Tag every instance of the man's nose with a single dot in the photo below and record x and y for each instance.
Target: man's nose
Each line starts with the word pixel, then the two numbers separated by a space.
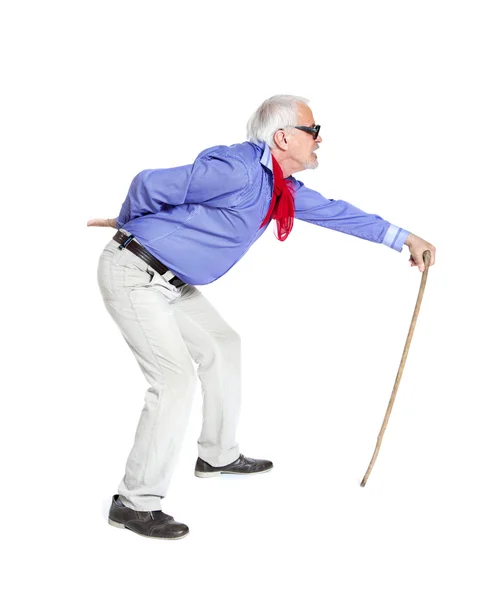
pixel 319 139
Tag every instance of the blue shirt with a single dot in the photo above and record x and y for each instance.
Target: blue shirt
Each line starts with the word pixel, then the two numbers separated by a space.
pixel 200 219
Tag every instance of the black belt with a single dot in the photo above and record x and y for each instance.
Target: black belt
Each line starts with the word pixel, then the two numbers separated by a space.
pixel 127 241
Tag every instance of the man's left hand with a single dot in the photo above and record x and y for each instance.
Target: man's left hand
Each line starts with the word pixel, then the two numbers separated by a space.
pixel 417 246
pixel 102 223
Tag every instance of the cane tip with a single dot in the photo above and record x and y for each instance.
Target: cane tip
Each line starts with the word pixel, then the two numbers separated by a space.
pixel 363 482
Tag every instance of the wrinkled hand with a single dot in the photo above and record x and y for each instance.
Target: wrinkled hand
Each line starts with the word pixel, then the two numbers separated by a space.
pixel 417 246
pixel 102 223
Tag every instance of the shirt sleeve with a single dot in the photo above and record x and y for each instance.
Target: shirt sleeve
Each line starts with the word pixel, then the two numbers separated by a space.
pixel 151 189
pixel 312 207
pixel 216 178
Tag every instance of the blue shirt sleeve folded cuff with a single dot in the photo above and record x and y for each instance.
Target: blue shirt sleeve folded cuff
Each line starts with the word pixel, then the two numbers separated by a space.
pixel 395 237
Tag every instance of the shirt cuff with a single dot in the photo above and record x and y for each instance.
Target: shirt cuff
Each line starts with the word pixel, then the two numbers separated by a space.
pixel 395 237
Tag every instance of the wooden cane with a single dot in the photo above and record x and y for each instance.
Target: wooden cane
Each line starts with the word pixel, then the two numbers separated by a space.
pixel 427 259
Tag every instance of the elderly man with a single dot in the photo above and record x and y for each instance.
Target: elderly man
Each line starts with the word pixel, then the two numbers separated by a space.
pixel 188 226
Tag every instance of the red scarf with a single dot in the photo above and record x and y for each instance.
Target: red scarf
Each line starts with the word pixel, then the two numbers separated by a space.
pixel 282 204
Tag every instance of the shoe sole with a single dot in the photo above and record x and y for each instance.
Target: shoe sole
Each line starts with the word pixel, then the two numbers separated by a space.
pixel 121 526
pixel 216 473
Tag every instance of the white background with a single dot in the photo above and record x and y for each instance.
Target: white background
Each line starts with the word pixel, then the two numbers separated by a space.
pixel 94 92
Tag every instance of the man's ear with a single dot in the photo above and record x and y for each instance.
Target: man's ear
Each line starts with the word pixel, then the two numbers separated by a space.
pixel 280 139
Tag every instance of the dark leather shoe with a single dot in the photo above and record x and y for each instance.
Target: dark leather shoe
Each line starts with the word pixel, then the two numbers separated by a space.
pixel 241 466
pixel 154 524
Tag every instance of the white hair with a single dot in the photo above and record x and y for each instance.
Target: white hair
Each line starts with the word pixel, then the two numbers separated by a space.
pixel 278 112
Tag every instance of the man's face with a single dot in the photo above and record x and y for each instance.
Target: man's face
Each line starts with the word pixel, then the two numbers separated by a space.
pixel 302 143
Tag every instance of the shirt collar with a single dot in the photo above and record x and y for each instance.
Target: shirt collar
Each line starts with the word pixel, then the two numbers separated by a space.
pixel 266 159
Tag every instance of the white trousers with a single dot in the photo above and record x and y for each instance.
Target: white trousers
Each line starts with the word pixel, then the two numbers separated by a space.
pixel 167 329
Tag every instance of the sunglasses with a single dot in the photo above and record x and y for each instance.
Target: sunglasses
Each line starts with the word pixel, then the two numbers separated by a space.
pixel 314 131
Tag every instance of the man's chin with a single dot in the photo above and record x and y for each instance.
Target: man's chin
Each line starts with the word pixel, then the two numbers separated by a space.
pixel 311 164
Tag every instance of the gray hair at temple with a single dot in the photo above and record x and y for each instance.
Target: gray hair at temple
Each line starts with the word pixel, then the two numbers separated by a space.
pixel 278 112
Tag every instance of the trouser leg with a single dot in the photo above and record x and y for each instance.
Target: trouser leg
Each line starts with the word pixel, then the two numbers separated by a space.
pixel 140 303
pixel 216 348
